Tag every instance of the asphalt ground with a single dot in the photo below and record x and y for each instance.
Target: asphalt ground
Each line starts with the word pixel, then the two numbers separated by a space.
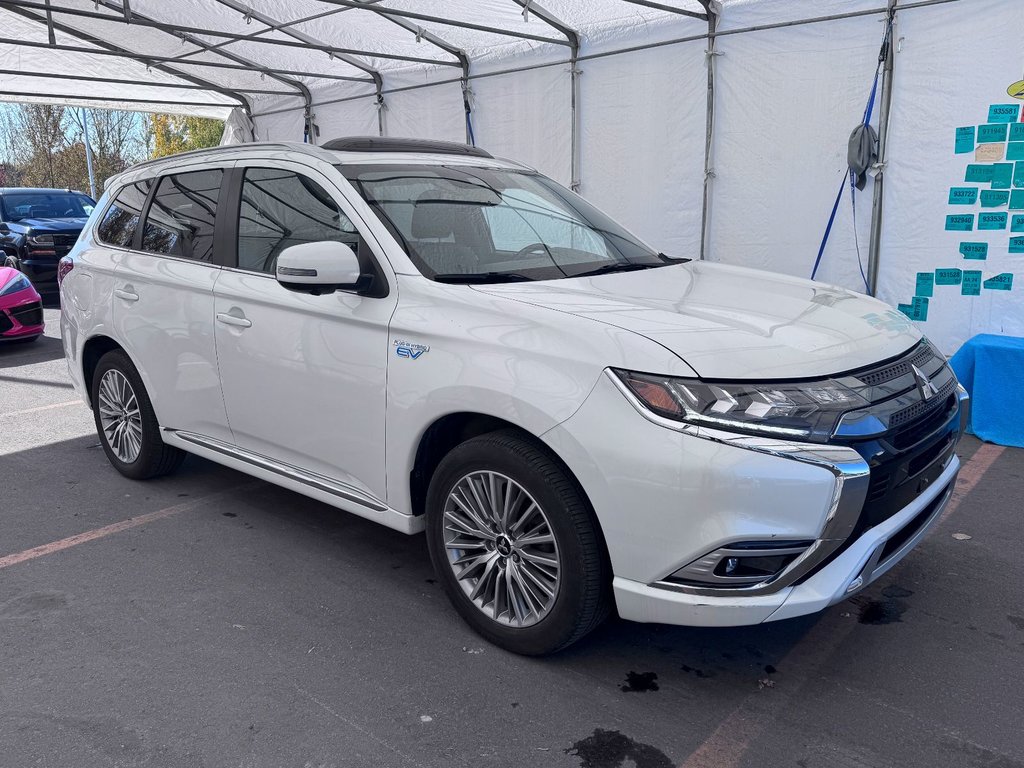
pixel 209 619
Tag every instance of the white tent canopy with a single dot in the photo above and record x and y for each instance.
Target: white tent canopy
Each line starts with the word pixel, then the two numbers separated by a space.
pixel 614 97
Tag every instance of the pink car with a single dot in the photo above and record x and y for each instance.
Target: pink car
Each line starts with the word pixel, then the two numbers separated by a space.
pixel 21 309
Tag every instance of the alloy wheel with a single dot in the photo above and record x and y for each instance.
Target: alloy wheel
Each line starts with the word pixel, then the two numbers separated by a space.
pixel 120 416
pixel 502 549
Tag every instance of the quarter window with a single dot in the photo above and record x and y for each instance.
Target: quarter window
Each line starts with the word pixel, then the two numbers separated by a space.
pixel 122 217
pixel 280 208
pixel 181 218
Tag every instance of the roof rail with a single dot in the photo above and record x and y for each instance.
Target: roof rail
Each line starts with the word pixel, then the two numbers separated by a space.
pixel 388 144
pixel 208 151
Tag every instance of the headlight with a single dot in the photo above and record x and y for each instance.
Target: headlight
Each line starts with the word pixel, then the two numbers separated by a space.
pixel 19 283
pixel 40 239
pixel 810 410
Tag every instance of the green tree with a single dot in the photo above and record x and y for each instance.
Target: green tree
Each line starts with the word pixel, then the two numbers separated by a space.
pixel 170 134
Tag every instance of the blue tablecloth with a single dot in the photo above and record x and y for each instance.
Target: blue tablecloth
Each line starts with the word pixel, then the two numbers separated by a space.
pixel 992 370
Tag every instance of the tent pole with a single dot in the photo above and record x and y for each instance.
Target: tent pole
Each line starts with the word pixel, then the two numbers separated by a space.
pixel 88 153
pixel 883 136
pixel 709 126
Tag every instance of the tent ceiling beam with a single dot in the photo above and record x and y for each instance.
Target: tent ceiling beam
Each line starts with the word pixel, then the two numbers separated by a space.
pixel 109 48
pixel 301 41
pixel 123 81
pixel 78 98
pixel 301 89
pixel 274 28
pixel 301 37
pixel 447 21
pixel 670 9
pixel 155 60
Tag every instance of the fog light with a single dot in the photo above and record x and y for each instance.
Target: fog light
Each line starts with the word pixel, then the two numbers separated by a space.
pixel 741 564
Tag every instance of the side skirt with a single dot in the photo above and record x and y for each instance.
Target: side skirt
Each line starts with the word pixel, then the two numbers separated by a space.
pixel 315 486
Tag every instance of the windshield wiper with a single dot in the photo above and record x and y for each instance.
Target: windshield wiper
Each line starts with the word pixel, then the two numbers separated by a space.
pixel 615 268
pixel 481 277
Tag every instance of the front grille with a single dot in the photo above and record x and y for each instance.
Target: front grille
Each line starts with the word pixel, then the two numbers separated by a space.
pixel 5 322
pixel 65 241
pixel 29 314
pixel 897 369
pixel 900 418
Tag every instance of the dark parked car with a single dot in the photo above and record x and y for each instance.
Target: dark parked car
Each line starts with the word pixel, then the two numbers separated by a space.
pixel 37 227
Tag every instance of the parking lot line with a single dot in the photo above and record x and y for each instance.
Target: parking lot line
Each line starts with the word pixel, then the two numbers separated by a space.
pixel 109 530
pixel 730 741
pixel 50 407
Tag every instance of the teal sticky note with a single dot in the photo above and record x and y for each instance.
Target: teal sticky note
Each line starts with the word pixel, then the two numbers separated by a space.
pixel 1015 150
pixel 946 276
pixel 965 139
pixel 960 222
pixel 1018 175
pixel 1003 113
pixel 1017 245
pixel 1002 175
pixel 1003 282
pixel 994 198
pixel 982 173
pixel 971 285
pixel 992 133
pixel 906 309
pixel 925 283
pixel 919 306
pixel 1017 222
pixel 992 220
pixel 1017 132
pixel 978 251
pixel 1017 200
pixel 963 195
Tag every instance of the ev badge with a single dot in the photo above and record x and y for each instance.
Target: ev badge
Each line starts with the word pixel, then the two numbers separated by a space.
pixel 924 386
pixel 409 349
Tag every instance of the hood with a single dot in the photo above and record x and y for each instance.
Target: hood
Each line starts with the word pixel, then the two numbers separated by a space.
pixel 730 322
pixel 68 225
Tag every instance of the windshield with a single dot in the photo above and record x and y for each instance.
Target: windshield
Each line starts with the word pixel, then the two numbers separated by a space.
pixel 46 205
pixel 466 224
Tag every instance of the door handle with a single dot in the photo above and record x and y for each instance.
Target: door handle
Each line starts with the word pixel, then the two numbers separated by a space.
pixel 127 295
pixel 229 319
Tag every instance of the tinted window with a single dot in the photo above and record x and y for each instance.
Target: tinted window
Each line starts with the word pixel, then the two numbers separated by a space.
pixel 490 223
pixel 181 219
pixel 46 205
pixel 122 217
pixel 281 208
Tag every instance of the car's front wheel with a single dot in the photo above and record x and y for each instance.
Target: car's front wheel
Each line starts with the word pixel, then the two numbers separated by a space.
pixel 516 545
pixel 126 423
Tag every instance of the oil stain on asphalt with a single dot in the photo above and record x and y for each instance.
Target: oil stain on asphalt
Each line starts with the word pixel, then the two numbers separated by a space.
pixel 640 682
pixel 888 611
pixel 611 749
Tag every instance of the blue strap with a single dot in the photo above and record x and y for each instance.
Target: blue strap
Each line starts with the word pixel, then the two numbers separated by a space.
pixel 828 227
pixel 853 188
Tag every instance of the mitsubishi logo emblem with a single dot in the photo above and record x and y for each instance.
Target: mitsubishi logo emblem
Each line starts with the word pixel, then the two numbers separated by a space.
pixel 924 385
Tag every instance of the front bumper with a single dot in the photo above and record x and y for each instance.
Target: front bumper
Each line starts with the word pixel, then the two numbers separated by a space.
pixel 864 561
pixel 667 495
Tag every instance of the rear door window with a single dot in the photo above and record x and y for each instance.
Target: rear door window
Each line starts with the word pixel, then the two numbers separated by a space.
pixel 122 217
pixel 181 218
pixel 282 208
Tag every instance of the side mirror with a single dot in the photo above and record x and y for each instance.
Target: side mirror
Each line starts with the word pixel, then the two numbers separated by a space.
pixel 321 267
pixel 4 229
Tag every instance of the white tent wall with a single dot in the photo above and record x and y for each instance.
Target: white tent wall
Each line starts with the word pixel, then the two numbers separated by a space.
pixel 786 102
pixel 945 80
pixel 642 141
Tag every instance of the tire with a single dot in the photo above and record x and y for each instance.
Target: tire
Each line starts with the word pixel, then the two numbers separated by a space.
pixel 575 603
pixel 148 457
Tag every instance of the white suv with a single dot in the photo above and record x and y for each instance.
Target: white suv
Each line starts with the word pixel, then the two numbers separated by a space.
pixel 435 339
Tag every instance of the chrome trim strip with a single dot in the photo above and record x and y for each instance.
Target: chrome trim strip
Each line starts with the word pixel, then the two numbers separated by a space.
pixel 313 480
pixel 851 488
pixel 881 568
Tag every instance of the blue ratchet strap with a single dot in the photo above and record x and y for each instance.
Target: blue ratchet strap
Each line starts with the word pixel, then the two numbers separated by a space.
pixel 835 206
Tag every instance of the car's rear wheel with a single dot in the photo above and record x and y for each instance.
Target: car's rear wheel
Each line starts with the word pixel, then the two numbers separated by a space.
pixel 126 423
pixel 516 545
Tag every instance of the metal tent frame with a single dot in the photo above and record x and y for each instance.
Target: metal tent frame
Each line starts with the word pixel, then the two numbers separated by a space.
pixel 207 73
